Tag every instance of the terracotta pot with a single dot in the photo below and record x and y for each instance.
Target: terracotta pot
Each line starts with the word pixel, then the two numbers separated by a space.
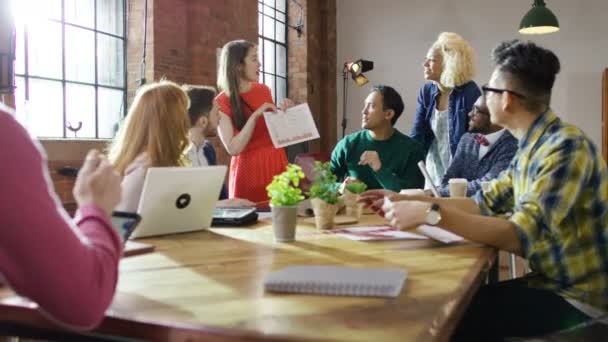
pixel 353 208
pixel 324 213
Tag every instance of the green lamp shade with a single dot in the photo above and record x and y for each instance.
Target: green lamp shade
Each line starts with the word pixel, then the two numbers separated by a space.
pixel 539 20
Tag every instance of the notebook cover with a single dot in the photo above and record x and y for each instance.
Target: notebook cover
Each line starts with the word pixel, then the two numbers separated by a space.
pixel 337 281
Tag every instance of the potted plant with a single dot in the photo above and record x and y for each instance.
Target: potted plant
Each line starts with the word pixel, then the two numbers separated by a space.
pixel 351 197
pixel 284 197
pixel 324 195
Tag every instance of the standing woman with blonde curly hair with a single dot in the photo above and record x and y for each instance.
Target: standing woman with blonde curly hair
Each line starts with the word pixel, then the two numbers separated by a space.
pixel 444 101
pixel 154 134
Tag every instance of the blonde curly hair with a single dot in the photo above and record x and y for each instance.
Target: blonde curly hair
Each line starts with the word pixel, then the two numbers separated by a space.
pixel 458 59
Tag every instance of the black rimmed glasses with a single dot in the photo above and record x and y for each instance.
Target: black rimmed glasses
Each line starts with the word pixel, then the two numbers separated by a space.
pixel 486 89
pixel 478 111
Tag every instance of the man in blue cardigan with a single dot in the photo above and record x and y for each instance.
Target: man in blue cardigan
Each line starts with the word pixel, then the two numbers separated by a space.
pixel 482 153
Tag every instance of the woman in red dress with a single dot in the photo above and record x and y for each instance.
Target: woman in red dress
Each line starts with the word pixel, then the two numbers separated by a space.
pixel 242 128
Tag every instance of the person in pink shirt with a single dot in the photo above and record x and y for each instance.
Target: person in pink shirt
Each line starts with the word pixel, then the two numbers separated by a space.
pixel 68 267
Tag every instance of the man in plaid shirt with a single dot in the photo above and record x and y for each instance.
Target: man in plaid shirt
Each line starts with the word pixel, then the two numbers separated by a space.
pixel 549 206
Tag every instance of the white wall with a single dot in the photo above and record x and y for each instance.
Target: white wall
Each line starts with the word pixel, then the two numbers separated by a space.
pixel 396 35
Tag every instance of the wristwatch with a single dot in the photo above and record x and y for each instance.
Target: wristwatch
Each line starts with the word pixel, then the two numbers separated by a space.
pixel 433 216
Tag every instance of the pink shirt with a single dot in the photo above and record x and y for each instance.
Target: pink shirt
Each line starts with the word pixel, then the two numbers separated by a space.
pixel 69 268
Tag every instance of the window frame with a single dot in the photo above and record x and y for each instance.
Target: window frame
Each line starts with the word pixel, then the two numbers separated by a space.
pixel 97 34
pixel 275 42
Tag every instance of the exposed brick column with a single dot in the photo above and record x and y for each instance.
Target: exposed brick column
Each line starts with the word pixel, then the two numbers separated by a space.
pixel 135 43
pixel 312 66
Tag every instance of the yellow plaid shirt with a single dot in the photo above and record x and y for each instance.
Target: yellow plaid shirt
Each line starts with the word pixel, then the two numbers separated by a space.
pixel 557 191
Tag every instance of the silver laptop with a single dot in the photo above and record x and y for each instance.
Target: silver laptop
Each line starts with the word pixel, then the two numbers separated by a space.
pixel 178 199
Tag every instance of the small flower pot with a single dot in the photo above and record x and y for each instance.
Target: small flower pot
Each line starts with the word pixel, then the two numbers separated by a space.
pixel 353 208
pixel 324 213
pixel 284 219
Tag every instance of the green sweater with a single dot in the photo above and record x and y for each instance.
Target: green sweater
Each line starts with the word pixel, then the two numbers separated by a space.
pixel 399 155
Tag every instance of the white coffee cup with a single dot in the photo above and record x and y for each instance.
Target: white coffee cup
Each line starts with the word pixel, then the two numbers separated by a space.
pixel 458 187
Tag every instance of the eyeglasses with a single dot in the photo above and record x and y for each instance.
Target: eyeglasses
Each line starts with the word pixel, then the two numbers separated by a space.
pixel 477 110
pixel 486 89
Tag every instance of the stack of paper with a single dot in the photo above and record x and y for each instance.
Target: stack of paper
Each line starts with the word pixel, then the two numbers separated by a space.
pixel 376 233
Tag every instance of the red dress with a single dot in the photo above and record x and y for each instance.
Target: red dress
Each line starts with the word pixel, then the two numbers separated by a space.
pixel 252 170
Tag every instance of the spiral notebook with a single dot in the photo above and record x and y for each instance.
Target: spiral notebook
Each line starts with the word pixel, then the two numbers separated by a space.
pixel 337 281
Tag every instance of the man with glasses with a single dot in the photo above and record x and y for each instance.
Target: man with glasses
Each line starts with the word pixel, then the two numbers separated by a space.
pixel 550 206
pixel 482 153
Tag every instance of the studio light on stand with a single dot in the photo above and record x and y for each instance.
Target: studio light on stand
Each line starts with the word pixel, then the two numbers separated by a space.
pixel 355 70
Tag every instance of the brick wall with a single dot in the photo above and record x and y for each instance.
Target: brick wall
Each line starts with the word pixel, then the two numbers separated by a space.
pixel 135 43
pixel 65 153
pixel 187 34
pixel 312 66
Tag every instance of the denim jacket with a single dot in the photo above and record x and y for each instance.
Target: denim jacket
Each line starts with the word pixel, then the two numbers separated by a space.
pixel 459 105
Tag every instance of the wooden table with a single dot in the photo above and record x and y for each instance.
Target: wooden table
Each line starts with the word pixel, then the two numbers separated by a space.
pixel 209 285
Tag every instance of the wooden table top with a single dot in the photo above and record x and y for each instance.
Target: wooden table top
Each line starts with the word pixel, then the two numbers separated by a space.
pixel 210 283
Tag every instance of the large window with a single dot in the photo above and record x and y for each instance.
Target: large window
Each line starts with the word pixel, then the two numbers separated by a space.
pixel 70 66
pixel 272 50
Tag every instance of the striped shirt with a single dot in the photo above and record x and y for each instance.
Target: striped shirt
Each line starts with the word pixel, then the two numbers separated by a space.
pixel 556 188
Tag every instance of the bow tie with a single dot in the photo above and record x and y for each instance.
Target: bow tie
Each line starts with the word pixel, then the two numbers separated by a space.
pixel 481 140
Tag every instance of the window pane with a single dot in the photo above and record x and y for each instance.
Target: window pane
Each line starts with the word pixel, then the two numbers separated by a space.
pixel 80 107
pixel 79 54
pixel 280 32
pixel 110 111
pixel 44 49
pixel 110 60
pixel 269 81
pixel 269 3
pixel 44 110
pixel 281 17
pixel 281 88
pixel 269 11
pixel 19 50
pixel 269 56
pixel 281 4
pixel 110 16
pixel 281 61
pixel 80 12
pixel 27 11
pixel 268 27
pixel 260 24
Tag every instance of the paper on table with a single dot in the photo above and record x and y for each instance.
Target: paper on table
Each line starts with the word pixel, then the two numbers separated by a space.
pixel 292 126
pixel 376 233
pixel 438 234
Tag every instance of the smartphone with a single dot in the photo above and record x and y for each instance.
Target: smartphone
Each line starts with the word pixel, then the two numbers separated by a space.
pixel 125 222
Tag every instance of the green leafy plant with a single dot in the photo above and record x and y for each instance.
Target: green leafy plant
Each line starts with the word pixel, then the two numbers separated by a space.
pixel 283 190
pixel 324 186
pixel 356 187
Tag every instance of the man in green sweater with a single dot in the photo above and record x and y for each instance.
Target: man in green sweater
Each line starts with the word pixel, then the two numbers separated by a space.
pixel 379 155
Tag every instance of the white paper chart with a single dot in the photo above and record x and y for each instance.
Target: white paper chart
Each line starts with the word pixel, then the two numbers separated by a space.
pixel 292 126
